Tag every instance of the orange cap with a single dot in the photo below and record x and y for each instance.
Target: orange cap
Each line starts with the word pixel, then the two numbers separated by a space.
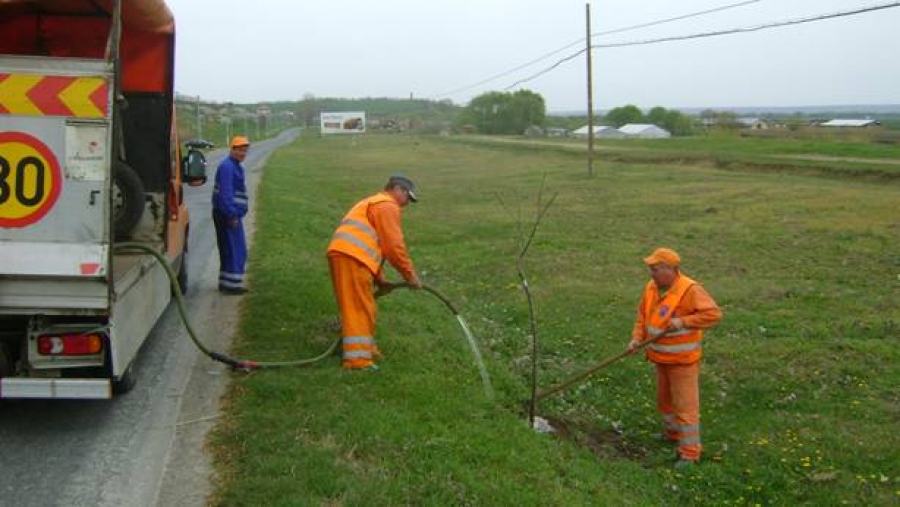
pixel 663 256
pixel 239 141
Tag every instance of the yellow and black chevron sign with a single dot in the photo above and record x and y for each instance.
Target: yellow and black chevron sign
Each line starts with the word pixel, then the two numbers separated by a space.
pixel 35 95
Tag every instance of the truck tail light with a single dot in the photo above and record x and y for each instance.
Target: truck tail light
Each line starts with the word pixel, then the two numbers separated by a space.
pixel 70 344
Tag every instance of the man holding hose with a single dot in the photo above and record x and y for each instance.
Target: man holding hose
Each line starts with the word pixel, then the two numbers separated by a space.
pixel 675 310
pixel 368 235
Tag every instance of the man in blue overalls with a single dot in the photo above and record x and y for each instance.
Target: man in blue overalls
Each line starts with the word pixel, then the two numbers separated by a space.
pixel 229 203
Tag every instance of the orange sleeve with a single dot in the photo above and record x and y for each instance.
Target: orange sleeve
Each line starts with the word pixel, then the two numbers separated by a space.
pixel 385 217
pixel 637 333
pixel 697 309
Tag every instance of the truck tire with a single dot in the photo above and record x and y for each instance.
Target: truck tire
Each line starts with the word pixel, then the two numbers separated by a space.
pixel 6 362
pixel 126 381
pixel 128 200
pixel 183 274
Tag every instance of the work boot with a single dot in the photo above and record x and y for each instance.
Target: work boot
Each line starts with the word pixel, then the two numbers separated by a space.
pixel 371 368
pixel 233 291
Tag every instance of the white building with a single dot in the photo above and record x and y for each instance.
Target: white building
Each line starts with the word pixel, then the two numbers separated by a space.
pixel 753 123
pixel 600 131
pixel 850 123
pixel 644 131
pixel 557 132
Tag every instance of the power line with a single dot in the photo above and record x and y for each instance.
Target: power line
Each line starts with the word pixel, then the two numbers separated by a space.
pixel 597 34
pixel 861 10
pixel 731 31
pixel 669 20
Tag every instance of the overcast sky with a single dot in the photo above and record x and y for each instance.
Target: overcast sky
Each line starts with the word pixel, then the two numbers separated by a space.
pixel 234 50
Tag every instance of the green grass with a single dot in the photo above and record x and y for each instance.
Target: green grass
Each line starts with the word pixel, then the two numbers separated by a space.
pixel 853 147
pixel 800 385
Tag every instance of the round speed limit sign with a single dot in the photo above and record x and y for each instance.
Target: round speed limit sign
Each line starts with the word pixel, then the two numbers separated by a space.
pixel 30 179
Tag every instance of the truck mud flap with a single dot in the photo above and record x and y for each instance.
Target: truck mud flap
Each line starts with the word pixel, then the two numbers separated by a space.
pixel 44 388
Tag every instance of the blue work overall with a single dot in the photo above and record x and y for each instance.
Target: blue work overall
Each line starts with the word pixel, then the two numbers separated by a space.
pixel 229 203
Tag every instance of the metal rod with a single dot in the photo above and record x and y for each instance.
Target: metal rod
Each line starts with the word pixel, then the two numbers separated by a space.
pixel 590 94
pixel 581 376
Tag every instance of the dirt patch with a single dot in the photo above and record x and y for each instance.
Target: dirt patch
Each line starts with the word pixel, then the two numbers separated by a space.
pixel 828 158
pixel 605 443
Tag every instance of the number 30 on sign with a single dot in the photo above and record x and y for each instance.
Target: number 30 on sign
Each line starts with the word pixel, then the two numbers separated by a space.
pixel 30 179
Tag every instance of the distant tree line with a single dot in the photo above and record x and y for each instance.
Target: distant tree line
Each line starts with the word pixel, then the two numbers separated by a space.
pixel 676 122
pixel 503 113
pixel 489 113
pixel 512 113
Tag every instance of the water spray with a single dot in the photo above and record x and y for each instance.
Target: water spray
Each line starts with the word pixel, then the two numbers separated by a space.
pixel 386 288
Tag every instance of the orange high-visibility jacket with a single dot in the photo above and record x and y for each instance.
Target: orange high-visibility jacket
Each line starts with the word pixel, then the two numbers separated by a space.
pixel 685 299
pixel 371 233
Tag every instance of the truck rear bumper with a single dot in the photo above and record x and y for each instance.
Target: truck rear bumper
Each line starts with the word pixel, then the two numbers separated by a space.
pixel 84 389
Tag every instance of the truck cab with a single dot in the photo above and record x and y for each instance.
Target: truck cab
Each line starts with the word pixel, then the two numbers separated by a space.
pixel 89 158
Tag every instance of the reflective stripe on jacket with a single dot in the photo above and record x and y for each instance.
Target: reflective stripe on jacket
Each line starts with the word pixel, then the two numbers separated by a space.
pixel 683 346
pixel 357 237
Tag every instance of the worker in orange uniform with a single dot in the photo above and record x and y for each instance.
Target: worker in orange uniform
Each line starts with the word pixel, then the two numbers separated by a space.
pixel 368 235
pixel 675 310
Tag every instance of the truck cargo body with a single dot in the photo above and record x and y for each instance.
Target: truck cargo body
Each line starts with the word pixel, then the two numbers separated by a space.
pixel 89 157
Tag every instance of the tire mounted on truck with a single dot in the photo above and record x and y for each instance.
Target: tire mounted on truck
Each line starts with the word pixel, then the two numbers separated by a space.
pixel 128 199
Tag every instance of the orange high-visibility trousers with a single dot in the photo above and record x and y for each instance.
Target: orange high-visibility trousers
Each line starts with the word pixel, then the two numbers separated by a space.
pixel 678 400
pixel 352 282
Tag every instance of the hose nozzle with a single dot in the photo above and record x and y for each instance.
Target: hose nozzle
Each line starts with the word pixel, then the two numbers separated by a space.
pixel 385 288
pixel 235 364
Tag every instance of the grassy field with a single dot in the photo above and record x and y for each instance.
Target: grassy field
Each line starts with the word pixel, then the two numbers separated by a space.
pixel 800 385
pixel 828 156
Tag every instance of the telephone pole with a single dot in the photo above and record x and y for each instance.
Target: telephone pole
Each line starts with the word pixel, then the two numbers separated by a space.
pixel 199 127
pixel 590 94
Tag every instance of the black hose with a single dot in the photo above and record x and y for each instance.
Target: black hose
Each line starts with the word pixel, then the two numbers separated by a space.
pixel 246 364
pixel 387 288
pixel 235 364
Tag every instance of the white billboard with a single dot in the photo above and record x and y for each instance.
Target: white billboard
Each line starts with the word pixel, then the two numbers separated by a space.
pixel 344 122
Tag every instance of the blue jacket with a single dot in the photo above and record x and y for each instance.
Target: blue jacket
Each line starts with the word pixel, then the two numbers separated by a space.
pixel 230 191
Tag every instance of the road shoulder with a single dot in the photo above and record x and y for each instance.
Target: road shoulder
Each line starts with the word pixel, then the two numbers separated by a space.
pixel 189 473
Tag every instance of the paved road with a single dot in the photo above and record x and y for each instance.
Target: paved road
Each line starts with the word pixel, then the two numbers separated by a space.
pixel 144 448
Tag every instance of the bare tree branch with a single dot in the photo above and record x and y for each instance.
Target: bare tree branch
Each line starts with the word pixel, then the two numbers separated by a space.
pixel 535 344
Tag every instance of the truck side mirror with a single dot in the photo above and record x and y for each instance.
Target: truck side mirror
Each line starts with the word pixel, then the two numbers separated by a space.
pixel 193 168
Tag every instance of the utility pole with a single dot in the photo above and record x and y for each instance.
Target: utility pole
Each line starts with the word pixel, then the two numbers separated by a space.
pixel 227 121
pixel 590 94
pixel 199 130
